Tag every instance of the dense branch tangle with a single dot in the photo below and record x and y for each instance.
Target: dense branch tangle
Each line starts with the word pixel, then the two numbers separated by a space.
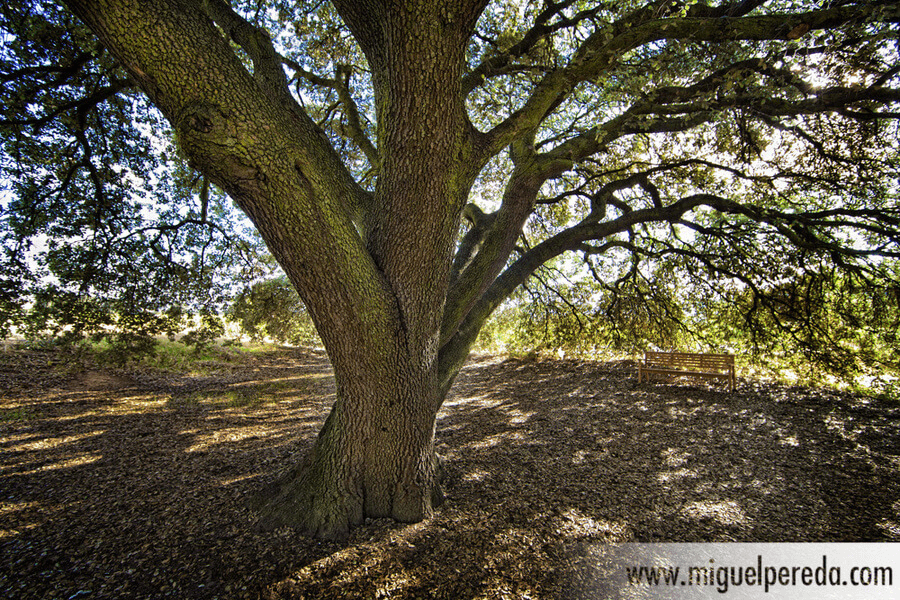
pixel 411 165
pixel 742 91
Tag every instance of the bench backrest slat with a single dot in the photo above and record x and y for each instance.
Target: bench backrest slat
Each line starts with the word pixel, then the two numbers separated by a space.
pixel 689 363
pixel 689 360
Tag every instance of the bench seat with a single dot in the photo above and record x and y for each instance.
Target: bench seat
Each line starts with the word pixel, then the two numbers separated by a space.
pixel 688 364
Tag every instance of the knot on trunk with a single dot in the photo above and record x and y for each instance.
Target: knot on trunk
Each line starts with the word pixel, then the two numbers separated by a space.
pixel 214 144
pixel 199 117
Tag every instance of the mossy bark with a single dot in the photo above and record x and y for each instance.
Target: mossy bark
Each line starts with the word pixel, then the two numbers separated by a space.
pixel 374 457
pixel 371 266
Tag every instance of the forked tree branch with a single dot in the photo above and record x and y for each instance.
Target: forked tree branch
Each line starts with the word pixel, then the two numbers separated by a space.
pixel 603 49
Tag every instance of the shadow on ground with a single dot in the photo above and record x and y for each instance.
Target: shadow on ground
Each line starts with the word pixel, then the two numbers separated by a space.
pixel 129 485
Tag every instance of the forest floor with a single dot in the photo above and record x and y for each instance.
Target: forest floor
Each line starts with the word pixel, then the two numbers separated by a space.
pixel 135 483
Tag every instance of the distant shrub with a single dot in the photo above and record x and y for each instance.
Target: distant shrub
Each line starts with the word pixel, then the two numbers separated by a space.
pixel 272 309
pixel 203 336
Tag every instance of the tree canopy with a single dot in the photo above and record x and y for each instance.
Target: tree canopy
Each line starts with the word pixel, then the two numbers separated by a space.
pixel 100 215
pixel 670 139
pixel 411 165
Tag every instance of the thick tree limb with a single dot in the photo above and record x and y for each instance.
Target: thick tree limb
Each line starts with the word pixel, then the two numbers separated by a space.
pixel 257 44
pixel 648 117
pixel 472 240
pixel 601 51
pixel 498 241
pixel 271 158
pixel 806 231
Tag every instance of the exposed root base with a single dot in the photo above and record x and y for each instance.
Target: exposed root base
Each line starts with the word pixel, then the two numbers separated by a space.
pixel 295 501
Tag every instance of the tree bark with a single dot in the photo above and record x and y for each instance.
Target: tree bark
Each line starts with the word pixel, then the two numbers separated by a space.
pixel 372 268
pixel 374 457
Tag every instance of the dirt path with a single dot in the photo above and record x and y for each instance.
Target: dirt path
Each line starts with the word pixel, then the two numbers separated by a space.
pixel 134 485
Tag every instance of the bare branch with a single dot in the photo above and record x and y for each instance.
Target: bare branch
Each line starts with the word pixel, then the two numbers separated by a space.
pixel 80 105
pixel 502 63
pixel 354 123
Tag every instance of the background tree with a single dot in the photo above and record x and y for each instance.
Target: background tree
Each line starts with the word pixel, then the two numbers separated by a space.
pixel 411 165
pixel 272 309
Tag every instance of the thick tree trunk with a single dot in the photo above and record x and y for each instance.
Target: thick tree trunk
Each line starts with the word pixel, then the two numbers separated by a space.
pixel 372 267
pixel 375 454
pixel 374 457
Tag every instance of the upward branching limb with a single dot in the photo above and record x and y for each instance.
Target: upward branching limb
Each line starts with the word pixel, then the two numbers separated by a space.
pixel 256 42
pixel 602 50
pixel 341 84
pixel 671 109
pixel 354 122
pixel 271 158
pixel 498 236
pixel 811 232
pixel 648 116
pixel 269 75
pixel 501 63
pixel 480 225
pixel 497 240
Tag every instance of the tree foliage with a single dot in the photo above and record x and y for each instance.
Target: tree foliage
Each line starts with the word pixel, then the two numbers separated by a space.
pixel 272 309
pixel 411 166
pixel 98 209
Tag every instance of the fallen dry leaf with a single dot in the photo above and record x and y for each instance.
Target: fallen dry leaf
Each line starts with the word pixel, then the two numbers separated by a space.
pixel 133 484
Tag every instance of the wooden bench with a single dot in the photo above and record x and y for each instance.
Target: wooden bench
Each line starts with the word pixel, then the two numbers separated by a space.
pixel 689 364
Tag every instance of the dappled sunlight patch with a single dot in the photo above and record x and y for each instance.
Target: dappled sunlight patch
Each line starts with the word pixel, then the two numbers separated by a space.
pixel 336 566
pixel 12 438
pixel 683 412
pixel 580 457
pixel 68 463
pixel 842 426
pixel 890 528
pixel 518 417
pixel 675 457
pixel 20 516
pixel 393 584
pixel 8 508
pixel 232 435
pixel 142 404
pixel 641 405
pixel 479 475
pixel 226 481
pixel 725 513
pixel 608 440
pixel 80 416
pixel 53 442
pixel 496 440
pixel 479 401
pixel 138 400
pixel 575 524
pixel 677 475
pixel 788 440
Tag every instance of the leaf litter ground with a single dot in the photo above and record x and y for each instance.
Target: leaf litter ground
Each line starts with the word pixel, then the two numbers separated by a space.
pixel 135 483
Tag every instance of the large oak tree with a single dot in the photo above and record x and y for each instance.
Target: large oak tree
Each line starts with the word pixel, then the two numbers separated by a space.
pixel 411 163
